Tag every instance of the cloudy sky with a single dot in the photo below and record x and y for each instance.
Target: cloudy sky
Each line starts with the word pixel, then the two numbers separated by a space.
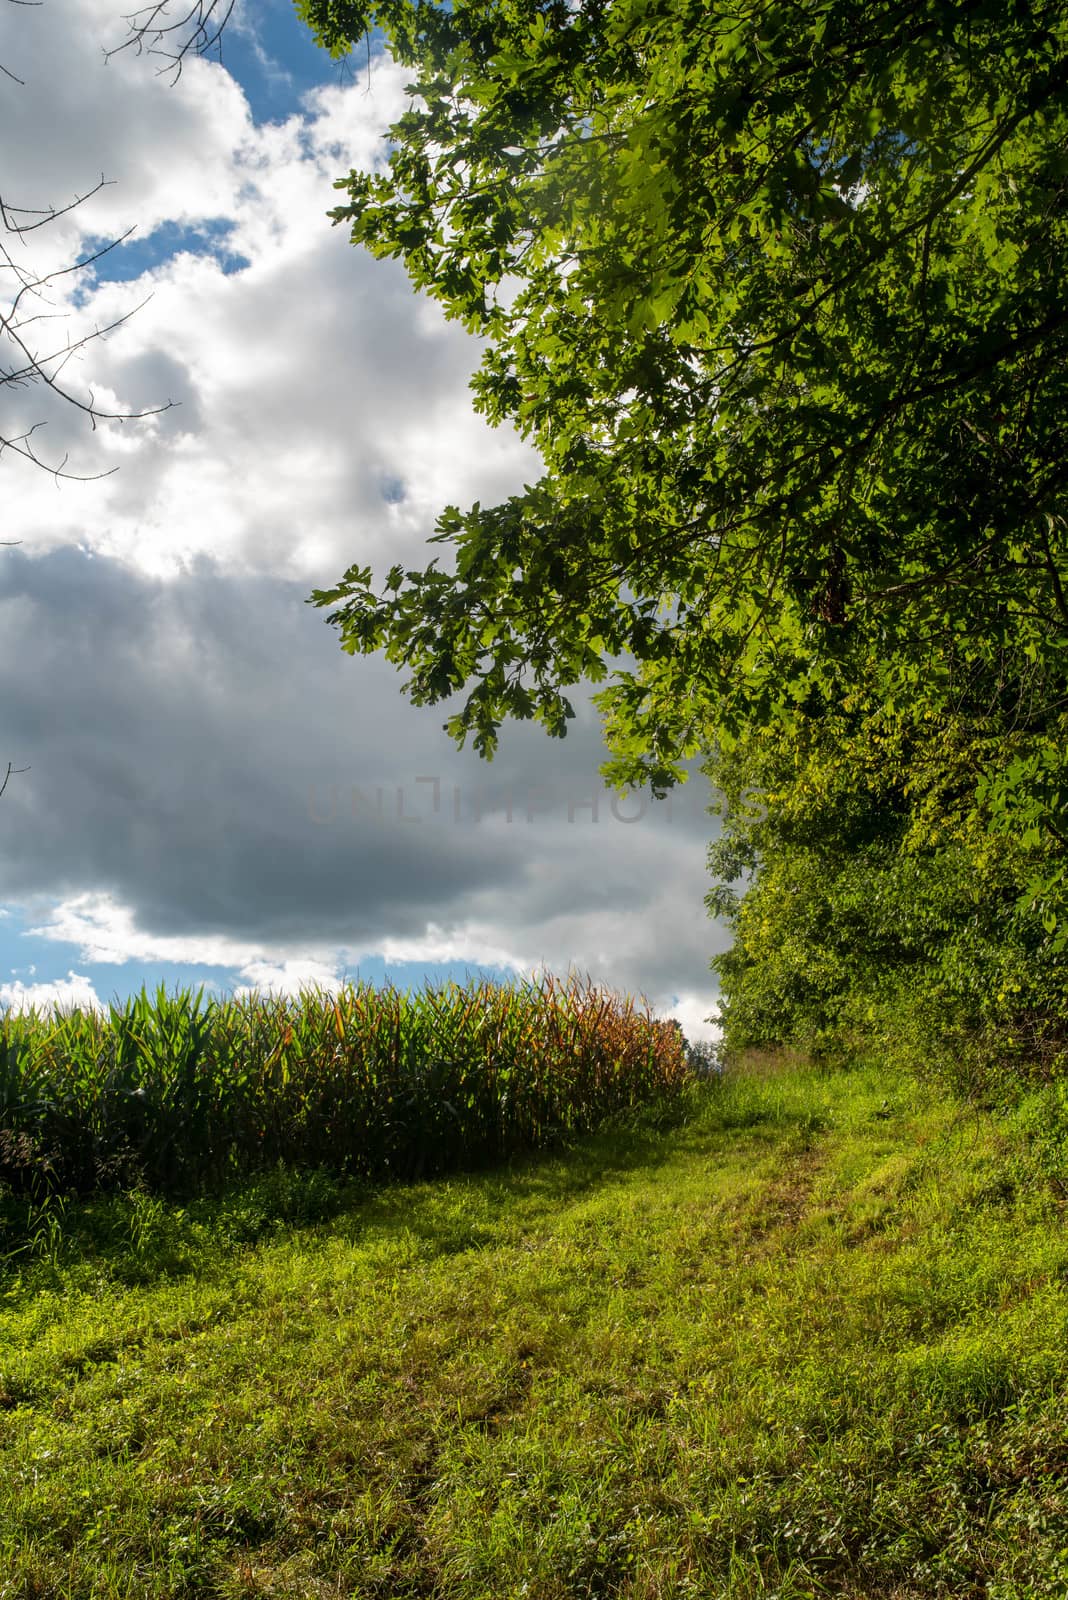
pixel 217 794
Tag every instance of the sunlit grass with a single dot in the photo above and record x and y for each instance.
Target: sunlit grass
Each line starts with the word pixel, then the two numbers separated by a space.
pixel 793 1335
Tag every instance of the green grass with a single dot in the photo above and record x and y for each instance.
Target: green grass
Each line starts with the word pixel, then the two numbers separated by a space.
pixel 787 1341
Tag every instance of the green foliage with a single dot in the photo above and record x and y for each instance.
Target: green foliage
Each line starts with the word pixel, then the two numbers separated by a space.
pixel 810 1341
pixel 179 1093
pixel 779 294
pixel 883 913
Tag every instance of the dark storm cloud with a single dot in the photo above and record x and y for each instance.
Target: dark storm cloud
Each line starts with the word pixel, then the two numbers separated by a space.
pixel 202 751
pixel 173 732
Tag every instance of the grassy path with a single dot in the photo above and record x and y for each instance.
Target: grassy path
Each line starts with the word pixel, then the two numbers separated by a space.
pixel 803 1343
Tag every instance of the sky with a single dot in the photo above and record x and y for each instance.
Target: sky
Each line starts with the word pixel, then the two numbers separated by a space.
pixel 215 793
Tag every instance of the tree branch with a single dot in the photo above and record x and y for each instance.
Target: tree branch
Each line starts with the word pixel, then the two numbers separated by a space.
pixel 197 32
pixel 8 773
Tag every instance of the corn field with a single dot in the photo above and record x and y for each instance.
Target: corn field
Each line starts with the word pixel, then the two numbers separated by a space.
pixel 182 1094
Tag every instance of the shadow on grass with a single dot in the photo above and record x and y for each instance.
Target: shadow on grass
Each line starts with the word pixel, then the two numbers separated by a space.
pixel 138 1238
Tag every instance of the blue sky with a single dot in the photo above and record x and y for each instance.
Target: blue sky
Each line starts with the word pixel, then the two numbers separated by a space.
pixel 277 63
pixel 29 959
pixel 127 260
pixel 182 711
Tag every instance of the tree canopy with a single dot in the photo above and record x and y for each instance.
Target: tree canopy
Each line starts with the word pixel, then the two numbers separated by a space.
pixel 779 293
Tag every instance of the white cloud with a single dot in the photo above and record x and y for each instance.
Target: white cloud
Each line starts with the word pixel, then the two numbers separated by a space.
pixel 306 380
pixel 288 978
pixel 477 944
pixel 106 932
pixel 63 993
pixel 698 1015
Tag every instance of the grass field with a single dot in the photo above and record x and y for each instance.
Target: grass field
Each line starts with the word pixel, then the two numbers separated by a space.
pixel 795 1339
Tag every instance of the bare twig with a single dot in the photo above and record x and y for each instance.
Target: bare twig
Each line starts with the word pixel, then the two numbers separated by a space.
pixel 8 773
pixel 23 361
pixel 197 32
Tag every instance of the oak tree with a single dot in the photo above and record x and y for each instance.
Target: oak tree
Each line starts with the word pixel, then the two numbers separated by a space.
pixel 778 291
